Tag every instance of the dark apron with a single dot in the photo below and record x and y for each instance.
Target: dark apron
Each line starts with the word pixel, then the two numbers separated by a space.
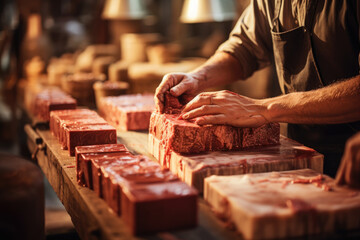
pixel 297 71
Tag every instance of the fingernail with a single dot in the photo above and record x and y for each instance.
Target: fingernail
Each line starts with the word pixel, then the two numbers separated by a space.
pixel 185 116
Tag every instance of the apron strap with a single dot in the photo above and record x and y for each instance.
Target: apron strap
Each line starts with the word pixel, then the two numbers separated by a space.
pixel 310 14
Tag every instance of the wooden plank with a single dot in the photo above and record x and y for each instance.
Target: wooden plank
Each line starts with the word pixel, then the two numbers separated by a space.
pixel 92 217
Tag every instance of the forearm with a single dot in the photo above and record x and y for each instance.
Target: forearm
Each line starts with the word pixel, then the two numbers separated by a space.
pixel 222 68
pixel 337 103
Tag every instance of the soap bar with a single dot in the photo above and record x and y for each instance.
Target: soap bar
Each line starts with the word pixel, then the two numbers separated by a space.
pixel 128 112
pixel 89 135
pixel 56 116
pixel 144 171
pixel 159 206
pixel 284 205
pixel 97 150
pixel 193 168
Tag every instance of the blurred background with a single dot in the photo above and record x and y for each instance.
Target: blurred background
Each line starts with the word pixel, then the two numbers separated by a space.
pixel 94 48
pixel 137 42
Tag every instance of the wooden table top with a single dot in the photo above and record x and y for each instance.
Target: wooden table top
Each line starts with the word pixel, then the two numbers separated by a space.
pixel 92 217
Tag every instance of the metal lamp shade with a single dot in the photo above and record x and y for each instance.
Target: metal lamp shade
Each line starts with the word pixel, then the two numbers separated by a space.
pixel 196 11
pixel 124 9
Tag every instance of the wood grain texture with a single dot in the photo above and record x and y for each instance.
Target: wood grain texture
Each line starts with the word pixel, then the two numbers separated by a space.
pixel 92 217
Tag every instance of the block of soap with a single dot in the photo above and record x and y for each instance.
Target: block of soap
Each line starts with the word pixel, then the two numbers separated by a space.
pixel 77 121
pixel 193 168
pixel 118 159
pixel 95 149
pixel 157 207
pixel 84 169
pixel 89 135
pixel 56 116
pixel 49 100
pixel 284 204
pixel 141 172
pixel 183 136
pixel 128 112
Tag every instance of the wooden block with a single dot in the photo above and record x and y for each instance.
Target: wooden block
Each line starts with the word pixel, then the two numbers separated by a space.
pixel 146 77
pixel 80 86
pixel 89 135
pixel 101 65
pixel 159 206
pixel 85 59
pixel 133 46
pixel 118 72
pixel 163 53
pixel 107 88
pixel 193 168
pixel 283 204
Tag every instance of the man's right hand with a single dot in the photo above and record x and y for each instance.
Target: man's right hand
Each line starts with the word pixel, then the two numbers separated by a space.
pixel 186 84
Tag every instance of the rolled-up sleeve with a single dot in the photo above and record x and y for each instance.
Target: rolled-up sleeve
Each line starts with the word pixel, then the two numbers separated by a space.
pixel 250 40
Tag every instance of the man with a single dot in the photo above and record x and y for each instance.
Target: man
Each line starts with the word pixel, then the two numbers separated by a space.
pixel 315 47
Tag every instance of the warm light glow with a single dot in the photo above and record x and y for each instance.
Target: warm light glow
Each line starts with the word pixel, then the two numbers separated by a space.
pixel 34 26
pixel 195 11
pixel 124 9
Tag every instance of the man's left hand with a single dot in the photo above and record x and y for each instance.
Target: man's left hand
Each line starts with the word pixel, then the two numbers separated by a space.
pixel 225 107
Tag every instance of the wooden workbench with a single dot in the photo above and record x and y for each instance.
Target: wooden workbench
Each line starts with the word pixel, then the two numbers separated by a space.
pixel 91 216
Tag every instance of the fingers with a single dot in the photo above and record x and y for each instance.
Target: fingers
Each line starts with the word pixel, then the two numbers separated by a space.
pixel 201 111
pixel 179 89
pixel 253 121
pixel 168 81
pixel 212 119
pixel 198 101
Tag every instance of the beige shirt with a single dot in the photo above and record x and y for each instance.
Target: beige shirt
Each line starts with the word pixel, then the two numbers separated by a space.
pixel 335 38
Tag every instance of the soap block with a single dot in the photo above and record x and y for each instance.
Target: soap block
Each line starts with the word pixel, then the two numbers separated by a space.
pixel 158 207
pixel 89 135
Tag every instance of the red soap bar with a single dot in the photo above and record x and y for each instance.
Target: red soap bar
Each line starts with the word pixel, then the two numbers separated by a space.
pixel 97 149
pixel 77 121
pixel 56 116
pixel 159 206
pixel 113 158
pixel 50 100
pixel 128 112
pixel 85 165
pixel 141 172
pixel 84 169
pixel 89 135
pixel 183 136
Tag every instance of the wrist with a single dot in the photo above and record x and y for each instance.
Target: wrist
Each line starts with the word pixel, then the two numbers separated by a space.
pixel 272 109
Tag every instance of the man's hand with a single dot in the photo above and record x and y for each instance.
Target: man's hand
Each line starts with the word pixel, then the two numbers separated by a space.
pixel 225 107
pixel 349 170
pixel 178 84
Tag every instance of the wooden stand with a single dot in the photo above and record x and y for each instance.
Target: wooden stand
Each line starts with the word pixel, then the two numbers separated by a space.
pixel 92 217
